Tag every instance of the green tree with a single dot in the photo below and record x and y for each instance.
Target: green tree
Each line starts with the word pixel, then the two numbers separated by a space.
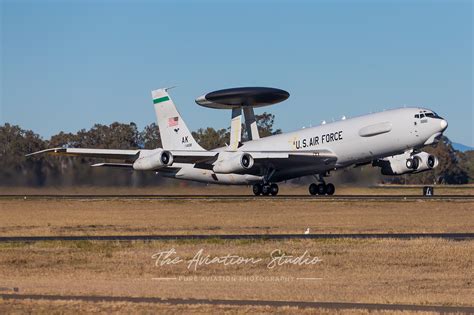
pixel 265 123
pixel 15 168
pixel 467 163
pixel 150 137
pixel 210 138
pixel 114 136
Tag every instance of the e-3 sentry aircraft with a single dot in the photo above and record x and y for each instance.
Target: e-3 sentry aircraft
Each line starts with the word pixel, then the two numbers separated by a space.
pixel 390 140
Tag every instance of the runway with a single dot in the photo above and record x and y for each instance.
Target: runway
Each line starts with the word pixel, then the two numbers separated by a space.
pixel 299 304
pixel 448 236
pixel 244 197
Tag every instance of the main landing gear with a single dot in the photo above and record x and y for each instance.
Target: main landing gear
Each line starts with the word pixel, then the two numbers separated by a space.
pixel 321 189
pixel 265 189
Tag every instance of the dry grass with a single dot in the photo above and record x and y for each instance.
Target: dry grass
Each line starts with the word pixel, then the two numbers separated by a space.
pixel 86 217
pixel 76 307
pixel 429 271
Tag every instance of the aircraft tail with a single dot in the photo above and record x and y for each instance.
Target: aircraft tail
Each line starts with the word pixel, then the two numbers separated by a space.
pixel 175 135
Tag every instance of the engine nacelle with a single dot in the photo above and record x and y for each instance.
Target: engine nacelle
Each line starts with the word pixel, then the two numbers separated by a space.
pixel 426 162
pixel 152 160
pixel 406 163
pixel 233 162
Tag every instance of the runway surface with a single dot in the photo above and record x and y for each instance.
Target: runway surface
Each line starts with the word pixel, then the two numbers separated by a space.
pixel 449 236
pixel 246 197
pixel 300 304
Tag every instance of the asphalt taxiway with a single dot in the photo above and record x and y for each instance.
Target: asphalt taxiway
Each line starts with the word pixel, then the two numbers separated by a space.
pixel 244 197
pixel 448 236
pixel 275 303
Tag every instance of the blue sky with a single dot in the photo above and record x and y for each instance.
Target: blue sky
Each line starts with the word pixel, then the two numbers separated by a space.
pixel 69 64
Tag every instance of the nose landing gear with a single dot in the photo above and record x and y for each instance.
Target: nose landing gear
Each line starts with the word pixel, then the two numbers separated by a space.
pixel 265 189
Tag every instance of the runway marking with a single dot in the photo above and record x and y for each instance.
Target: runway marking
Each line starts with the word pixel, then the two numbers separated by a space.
pixel 449 236
pixel 299 304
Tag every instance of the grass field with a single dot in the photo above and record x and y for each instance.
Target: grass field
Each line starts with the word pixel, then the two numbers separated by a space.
pixel 429 271
pixel 418 271
pixel 105 217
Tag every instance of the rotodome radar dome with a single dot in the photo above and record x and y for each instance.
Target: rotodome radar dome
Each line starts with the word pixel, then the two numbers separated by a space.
pixel 242 97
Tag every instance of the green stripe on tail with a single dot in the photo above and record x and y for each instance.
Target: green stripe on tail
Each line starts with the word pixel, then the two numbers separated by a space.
pixel 161 99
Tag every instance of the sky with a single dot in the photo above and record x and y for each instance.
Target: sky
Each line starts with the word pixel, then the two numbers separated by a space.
pixel 66 65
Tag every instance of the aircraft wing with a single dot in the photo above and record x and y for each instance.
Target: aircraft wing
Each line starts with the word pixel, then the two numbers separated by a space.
pixel 179 156
pixel 294 158
pixel 96 153
pixel 288 154
pixel 292 163
pixel 278 159
pixel 193 157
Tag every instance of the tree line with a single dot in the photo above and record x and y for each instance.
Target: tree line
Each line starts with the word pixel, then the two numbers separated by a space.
pixel 48 170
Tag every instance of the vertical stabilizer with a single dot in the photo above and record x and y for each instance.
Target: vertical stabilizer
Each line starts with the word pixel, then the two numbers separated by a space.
pixel 175 135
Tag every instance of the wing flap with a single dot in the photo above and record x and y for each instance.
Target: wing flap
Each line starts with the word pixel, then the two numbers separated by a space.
pixel 194 157
pixel 294 159
pixel 320 154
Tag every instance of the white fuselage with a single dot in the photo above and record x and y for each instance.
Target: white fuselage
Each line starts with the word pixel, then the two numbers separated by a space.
pixel 354 140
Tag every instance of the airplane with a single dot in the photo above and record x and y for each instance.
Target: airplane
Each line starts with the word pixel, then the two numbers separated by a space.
pixel 391 140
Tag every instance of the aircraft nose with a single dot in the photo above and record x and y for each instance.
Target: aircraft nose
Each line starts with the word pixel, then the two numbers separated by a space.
pixel 444 125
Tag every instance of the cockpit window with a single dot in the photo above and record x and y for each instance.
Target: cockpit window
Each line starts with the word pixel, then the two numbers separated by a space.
pixel 433 115
pixel 422 115
pixel 417 116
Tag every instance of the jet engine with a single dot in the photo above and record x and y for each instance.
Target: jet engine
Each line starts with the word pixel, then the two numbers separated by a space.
pixel 407 163
pixel 233 162
pixel 425 162
pixel 152 160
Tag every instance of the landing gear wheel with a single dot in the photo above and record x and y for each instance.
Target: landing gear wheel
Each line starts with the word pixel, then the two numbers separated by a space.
pixel 321 189
pixel 266 190
pixel 313 189
pixel 330 189
pixel 257 189
pixel 273 189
